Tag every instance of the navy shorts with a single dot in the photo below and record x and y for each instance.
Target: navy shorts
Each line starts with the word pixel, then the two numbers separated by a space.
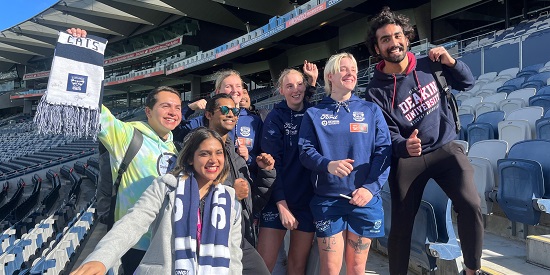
pixel 334 215
pixel 270 218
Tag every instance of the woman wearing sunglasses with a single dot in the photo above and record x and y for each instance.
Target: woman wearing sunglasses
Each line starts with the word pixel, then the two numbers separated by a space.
pixel 191 214
pixel 288 208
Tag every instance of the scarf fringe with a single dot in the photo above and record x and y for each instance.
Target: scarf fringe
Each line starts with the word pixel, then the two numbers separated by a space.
pixel 73 121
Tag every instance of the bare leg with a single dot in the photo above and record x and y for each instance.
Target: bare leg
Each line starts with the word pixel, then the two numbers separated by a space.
pixel 269 243
pixel 331 250
pixel 357 252
pixel 300 245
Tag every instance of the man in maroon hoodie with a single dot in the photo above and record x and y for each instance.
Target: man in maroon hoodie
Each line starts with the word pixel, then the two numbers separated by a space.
pixel 422 130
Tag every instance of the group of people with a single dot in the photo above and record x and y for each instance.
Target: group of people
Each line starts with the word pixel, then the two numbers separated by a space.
pixel 316 171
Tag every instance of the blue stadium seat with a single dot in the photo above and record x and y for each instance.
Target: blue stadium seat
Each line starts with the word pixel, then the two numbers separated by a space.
pixel 540 100
pixel 511 85
pixel 530 70
pixel 465 120
pixel 536 81
pixel 525 181
pixel 485 127
pixel 543 90
pixel 543 128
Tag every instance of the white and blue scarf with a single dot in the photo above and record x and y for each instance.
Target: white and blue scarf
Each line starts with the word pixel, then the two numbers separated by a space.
pixel 70 105
pixel 213 255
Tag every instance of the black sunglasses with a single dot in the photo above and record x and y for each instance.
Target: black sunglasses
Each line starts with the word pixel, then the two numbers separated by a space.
pixel 225 110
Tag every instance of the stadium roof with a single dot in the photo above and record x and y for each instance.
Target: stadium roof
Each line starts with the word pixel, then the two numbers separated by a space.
pixel 120 19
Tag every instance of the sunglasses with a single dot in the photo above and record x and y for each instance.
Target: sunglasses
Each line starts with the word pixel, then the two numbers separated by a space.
pixel 225 110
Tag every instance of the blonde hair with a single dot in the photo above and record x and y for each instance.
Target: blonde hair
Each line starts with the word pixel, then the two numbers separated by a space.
pixel 286 72
pixel 333 66
pixel 221 75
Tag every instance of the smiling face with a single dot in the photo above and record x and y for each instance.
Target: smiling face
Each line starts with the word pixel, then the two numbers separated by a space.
pixel 345 79
pixel 219 122
pixel 391 43
pixel 208 160
pixel 245 100
pixel 165 114
pixel 293 89
pixel 232 85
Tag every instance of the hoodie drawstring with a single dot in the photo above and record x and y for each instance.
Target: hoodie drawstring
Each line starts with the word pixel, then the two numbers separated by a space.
pixel 394 89
pixel 344 104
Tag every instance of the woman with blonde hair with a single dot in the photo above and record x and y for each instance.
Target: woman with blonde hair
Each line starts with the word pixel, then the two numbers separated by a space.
pixel 288 207
pixel 345 142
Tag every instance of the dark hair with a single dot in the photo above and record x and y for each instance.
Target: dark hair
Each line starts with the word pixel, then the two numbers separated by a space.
pixel 211 106
pixel 191 144
pixel 385 17
pixel 151 99
pixel 245 86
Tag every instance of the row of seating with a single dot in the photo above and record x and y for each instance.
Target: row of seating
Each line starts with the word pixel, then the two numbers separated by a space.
pixel 517 178
pixel 54 240
pixel 520 124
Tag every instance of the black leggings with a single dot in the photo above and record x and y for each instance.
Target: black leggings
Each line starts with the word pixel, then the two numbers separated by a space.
pixel 451 169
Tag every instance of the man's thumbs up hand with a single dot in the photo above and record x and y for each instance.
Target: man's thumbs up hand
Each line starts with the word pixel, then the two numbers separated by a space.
pixel 414 145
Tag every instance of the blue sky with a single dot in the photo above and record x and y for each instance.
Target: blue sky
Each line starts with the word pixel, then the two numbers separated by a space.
pixel 14 12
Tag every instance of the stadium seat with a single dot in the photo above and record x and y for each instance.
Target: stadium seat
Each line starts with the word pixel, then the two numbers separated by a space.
pixel 491 88
pixel 536 81
pixel 543 90
pixel 507 74
pixel 482 108
pixel 472 101
pixel 524 93
pixel 490 103
pixel 511 85
pixel 485 127
pixel 491 150
pixel 525 181
pixel 465 120
pixel 508 105
pixel 543 128
pixel 465 109
pixel 541 101
pixel 462 143
pixel 463 96
pixel 530 70
pixel 513 131
pixel 531 114
pixel 487 76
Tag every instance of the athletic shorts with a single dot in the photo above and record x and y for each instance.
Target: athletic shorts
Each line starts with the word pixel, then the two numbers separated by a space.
pixel 334 215
pixel 270 218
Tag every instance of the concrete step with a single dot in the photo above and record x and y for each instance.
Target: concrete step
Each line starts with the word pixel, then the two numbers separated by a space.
pixel 500 256
pixel 538 250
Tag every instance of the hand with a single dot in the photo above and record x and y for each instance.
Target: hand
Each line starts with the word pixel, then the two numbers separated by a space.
pixel 287 219
pixel 310 70
pixel 198 105
pixel 242 150
pixel 265 161
pixel 241 188
pixel 414 145
pixel 76 32
pixel 360 197
pixel 440 54
pixel 91 268
pixel 340 168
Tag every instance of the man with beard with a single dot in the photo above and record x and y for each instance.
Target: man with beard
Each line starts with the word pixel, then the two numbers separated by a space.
pixel 422 130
